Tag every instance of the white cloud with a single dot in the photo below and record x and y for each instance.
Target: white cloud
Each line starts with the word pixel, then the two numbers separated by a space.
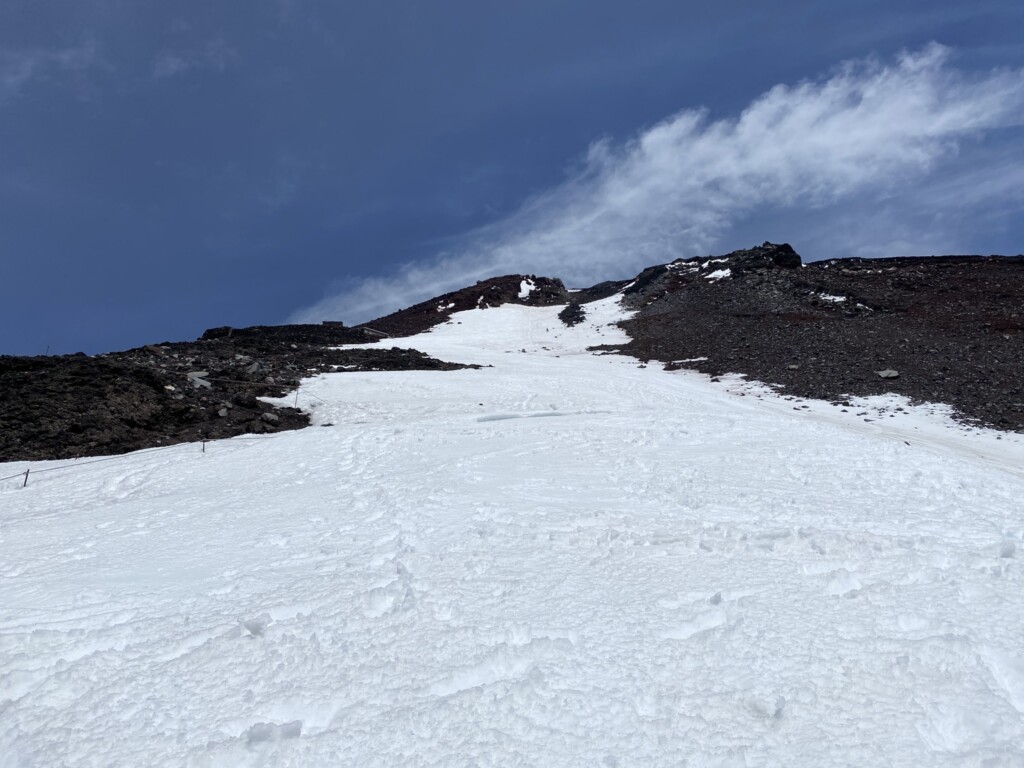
pixel 869 129
pixel 19 68
pixel 216 56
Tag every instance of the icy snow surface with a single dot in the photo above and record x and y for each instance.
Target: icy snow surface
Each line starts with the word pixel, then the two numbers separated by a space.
pixel 661 571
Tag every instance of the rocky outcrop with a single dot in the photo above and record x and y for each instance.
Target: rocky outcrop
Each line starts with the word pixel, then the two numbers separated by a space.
pixel 573 314
pixel 528 290
pixel 950 328
pixel 75 405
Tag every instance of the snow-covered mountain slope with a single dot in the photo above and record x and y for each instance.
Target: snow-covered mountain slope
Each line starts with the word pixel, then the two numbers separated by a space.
pixel 563 559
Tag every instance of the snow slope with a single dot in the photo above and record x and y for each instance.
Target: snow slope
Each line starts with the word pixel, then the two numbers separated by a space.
pixel 563 559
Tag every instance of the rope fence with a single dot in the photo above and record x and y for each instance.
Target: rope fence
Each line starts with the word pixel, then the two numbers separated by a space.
pixel 78 463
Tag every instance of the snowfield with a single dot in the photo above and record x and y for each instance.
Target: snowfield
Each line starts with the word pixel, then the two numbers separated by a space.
pixel 565 559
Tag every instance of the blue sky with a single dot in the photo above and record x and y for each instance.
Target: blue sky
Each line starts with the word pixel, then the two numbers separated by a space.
pixel 168 167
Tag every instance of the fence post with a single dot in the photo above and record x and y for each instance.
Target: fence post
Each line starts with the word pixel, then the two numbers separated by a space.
pixel 26 479
pixel 204 446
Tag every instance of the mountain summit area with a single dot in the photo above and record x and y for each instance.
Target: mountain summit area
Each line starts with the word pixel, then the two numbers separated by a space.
pixel 736 511
pixel 936 329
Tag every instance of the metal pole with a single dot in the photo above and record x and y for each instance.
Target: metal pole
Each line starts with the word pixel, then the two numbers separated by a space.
pixel 26 479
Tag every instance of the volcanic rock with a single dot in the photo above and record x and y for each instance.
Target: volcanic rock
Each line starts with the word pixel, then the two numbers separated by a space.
pixel 946 329
pixel 508 289
pixel 63 407
pixel 952 326
pixel 573 314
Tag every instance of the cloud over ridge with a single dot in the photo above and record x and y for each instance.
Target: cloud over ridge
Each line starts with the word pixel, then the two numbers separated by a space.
pixel 870 127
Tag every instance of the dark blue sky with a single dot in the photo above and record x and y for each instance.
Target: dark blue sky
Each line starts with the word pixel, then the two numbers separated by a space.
pixel 167 167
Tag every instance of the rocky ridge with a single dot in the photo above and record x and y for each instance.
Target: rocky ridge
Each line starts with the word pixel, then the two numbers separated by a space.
pixel 946 329
pixel 60 407
pixel 75 405
pixel 528 290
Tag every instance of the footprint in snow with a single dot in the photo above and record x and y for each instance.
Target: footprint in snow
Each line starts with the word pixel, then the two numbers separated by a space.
pixel 698 625
pixel 259 733
pixel 843 583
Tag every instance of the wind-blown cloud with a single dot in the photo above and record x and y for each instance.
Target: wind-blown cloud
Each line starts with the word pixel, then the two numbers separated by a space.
pixel 215 56
pixel 870 128
pixel 18 68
